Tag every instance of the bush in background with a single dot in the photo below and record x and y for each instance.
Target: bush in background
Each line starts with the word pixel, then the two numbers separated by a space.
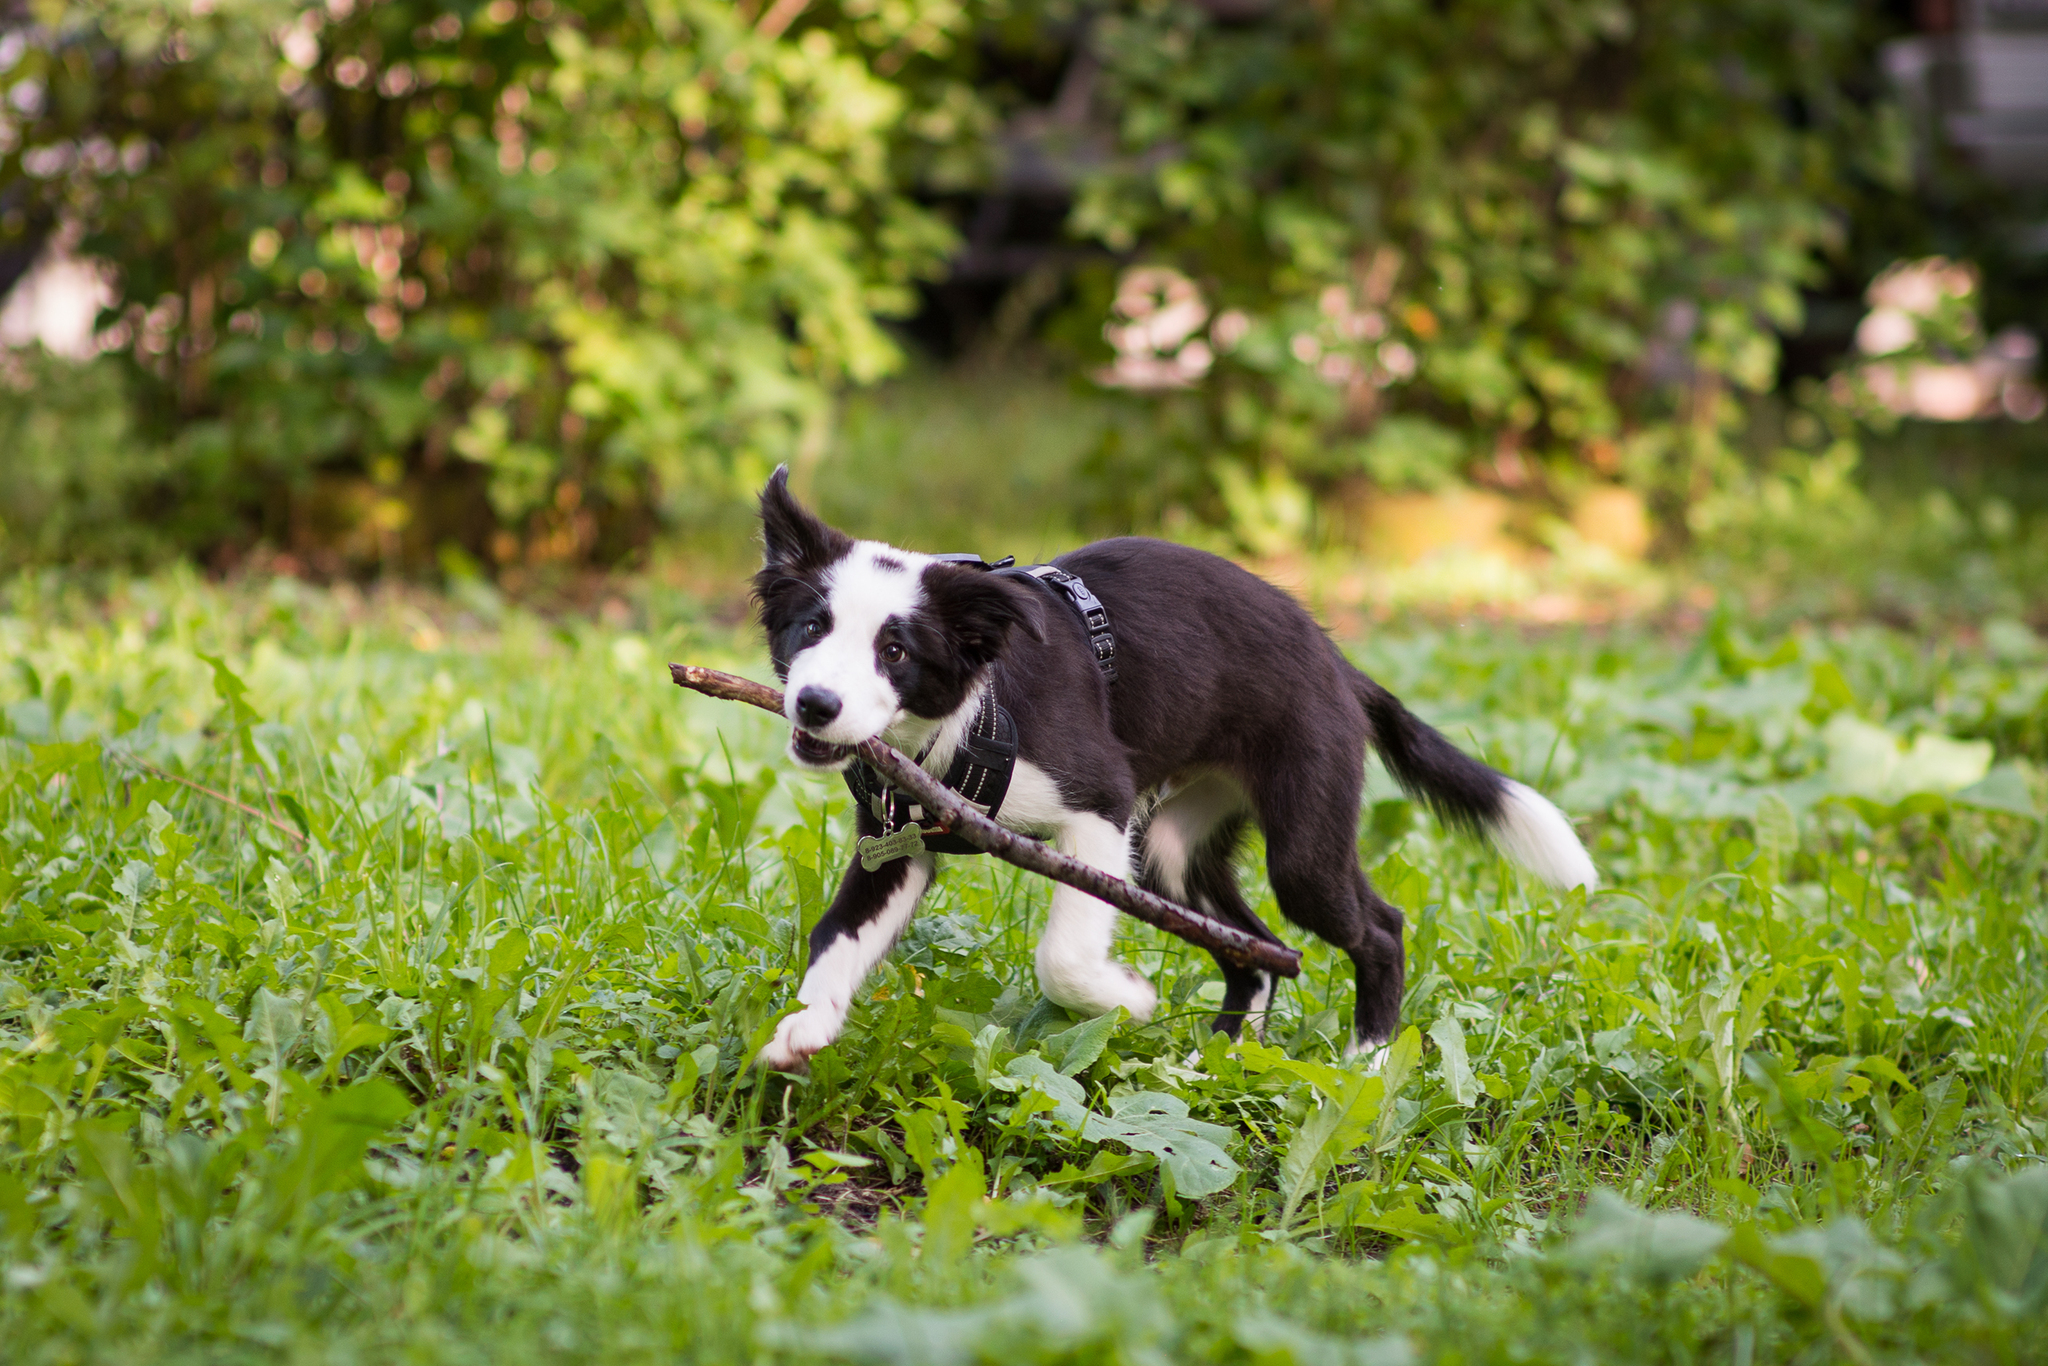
pixel 74 476
pixel 1502 239
pixel 521 275
pixel 537 281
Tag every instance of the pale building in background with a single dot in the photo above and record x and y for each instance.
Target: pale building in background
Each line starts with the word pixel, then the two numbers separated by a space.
pixel 1979 82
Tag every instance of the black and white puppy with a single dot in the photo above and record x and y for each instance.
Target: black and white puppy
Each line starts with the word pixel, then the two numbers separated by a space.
pixel 1231 705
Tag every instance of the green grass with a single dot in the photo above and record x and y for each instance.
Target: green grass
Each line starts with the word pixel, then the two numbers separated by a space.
pixel 458 1073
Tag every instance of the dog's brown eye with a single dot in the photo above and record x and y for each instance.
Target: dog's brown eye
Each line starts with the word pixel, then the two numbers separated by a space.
pixel 814 628
pixel 892 653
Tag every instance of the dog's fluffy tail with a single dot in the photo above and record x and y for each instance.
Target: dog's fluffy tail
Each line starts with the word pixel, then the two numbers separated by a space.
pixel 1466 793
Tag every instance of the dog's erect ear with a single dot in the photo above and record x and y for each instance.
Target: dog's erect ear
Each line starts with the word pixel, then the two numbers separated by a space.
pixel 796 539
pixel 981 609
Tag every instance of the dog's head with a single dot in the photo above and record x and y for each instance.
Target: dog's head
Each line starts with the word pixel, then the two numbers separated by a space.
pixel 864 635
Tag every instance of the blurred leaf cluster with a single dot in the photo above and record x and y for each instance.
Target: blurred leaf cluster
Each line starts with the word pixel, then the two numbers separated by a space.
pixel 537 279
pixel 1527 241
pixel 561 267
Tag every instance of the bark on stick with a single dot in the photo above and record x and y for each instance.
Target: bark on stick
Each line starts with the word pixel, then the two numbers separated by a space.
pixel 946 810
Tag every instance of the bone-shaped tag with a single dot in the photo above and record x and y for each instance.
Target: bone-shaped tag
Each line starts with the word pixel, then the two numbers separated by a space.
pixel 876 850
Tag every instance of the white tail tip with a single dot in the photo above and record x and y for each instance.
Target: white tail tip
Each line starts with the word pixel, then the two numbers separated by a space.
pixel 1535 835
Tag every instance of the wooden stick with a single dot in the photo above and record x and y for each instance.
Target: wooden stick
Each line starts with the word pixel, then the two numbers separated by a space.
pixel 950 811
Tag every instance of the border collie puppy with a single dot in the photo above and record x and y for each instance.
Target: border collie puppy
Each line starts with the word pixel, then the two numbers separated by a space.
pixel 1230 705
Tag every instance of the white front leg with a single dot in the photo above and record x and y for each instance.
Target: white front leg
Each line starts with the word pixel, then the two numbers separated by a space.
pixel 1074 966
pixel 854 935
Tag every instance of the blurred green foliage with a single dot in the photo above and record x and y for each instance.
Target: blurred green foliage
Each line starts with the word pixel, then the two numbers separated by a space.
pixel 1492 235
pixel 628 248
pixel 538 280
pixel 75 475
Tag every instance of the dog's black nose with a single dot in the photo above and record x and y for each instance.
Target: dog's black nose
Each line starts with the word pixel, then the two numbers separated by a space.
pixel 815 707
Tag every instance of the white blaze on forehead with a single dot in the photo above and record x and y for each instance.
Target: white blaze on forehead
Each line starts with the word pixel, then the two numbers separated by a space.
pixel 871 584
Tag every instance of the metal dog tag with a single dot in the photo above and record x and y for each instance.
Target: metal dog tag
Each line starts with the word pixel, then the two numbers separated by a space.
pixel 876 850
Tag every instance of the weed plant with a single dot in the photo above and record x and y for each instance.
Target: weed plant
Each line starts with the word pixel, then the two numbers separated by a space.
pixel 378 982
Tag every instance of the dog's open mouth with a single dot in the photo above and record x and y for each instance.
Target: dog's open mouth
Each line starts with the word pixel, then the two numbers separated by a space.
pixel 812 750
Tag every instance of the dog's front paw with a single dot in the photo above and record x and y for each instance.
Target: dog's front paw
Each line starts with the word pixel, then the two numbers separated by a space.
pixel 1143 996
pixel 1095 986
pixel 797 1038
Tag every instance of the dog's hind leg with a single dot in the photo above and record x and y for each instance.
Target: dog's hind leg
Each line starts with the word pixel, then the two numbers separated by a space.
pixel 859 927
pixel 1321 888
pixel 1075 969
pixel 1308 809
pixel 1212 882
pixel 1190 845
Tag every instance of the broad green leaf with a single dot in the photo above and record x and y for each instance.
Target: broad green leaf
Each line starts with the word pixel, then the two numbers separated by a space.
pixel 1070 1100
pixel 1809 1137
pixel 135 881
pixel 1106 1163
pixel 609 1189
pixel 1880 1066
pixel 1329 1080
pixel 273 1023
pixel 1330 1132
pixel 951 1208
pixel 1798 1275
pixel 53 759
pixel 989 1046
pixel 2008 787
pixel 1406 1220
pixel 1831 692
pixel 1402 1057
pixel 1777 827
pixel 1449 1037
pixel 339 1032
pixel 1866 760
pixel 278 883
pixel 1192 1151
pixel 508 955
pixel 1661 1246
pixel 2004 1247
pixel 923 1139
pixel 297 812
pixel 1862 1275
pixel 1075 1049
pixel 109 1156
pixel 233 692
pixel 336 1130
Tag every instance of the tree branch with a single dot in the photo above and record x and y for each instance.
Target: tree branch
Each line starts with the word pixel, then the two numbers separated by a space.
pixel 949 811
pixel 779 17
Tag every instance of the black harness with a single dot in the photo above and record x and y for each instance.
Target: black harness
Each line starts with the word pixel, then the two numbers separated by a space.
pixel 987 755
pixel 1094 616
